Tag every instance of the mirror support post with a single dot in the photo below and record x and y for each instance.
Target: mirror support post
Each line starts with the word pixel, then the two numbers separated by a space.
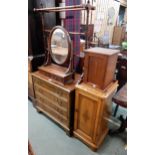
pixel 71 63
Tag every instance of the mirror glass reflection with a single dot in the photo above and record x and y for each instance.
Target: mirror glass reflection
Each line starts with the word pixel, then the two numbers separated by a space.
pixel 59 46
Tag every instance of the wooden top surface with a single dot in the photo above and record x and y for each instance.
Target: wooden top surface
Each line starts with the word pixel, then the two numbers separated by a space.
pixel 56 69
pixel 120 97
pixel 67 87
pixel 104 51
pixel 96 91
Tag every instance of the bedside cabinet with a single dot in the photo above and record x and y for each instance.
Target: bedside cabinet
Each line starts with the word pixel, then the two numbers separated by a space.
pixel 92 110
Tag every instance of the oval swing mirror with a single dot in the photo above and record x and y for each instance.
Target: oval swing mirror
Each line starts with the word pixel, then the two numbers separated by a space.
pixel 60 45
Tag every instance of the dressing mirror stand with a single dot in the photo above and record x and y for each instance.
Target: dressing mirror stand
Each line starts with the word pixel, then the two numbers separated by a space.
pixel 59 64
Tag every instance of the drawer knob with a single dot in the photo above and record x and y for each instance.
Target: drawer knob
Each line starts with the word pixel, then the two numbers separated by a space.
pixel 59 102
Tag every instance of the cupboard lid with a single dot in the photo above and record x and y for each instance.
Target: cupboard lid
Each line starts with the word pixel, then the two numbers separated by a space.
pixel 104 51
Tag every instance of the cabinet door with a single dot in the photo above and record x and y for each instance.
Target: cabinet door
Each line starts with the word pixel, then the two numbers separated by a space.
pixel 92 65
pixel 85 114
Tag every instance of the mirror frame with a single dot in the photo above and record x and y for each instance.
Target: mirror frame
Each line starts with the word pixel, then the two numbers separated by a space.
pixel 68 41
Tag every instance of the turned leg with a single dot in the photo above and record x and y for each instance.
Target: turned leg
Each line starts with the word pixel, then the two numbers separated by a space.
pixel 116 109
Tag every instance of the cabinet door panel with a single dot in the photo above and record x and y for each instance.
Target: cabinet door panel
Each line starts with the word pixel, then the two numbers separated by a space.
pixel 86 115
pixel 96 70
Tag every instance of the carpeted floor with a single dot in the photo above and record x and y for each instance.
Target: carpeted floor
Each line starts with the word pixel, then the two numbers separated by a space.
pixel 47 138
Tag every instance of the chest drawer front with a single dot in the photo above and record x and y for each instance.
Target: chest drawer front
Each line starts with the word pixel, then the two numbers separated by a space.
pixel 59 101
pixel 58 91
pixel 52 113
pixel 53 105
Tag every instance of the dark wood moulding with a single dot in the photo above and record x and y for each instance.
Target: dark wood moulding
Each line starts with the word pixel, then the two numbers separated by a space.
pixel 66 8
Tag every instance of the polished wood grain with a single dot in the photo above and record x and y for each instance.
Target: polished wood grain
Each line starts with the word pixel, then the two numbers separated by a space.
pixel 92 110
pixel 54 100
pixel 56 72
pixel 99 66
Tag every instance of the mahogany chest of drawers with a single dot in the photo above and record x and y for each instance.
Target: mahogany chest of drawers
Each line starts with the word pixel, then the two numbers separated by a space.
pixel 99 66
pixel 54 100
pixel 92 110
